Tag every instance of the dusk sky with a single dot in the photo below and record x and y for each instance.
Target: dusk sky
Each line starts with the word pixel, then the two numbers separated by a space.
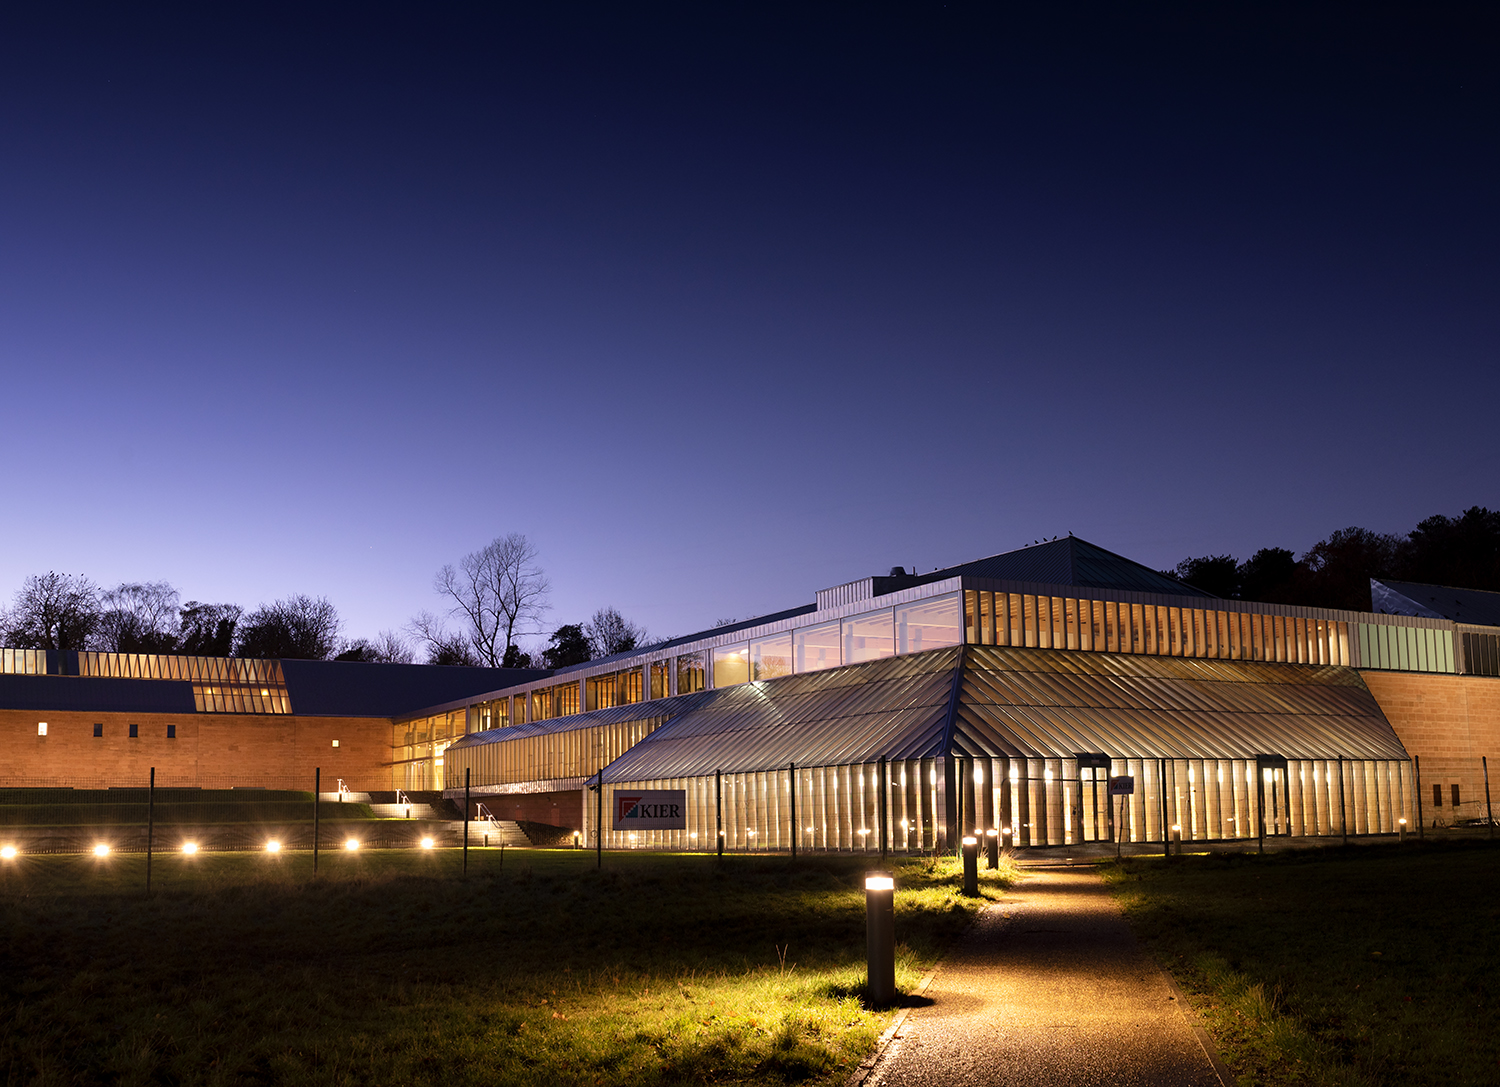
pixel 723 304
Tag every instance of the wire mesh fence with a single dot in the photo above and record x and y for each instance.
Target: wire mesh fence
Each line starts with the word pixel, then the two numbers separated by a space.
pixel 110 817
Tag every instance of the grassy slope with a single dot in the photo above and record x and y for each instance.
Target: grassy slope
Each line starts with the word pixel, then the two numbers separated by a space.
pixel 390 970
pixel 1364 966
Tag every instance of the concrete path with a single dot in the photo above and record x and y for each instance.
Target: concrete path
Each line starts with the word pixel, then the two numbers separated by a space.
pixel 1049 987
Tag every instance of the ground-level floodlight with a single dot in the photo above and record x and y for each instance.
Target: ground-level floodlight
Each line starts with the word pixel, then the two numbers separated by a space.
pixel 101 850
pixel 8 852
pixel 1177 837
pixel 351 844
pixel 880 938
pixel 273 846
pixel 427 843
pixel 992 848
pixel 1402 825
pixel 190 848
pixel 971 866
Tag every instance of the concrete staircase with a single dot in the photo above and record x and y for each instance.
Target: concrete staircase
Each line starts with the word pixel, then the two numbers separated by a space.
pixel 500 832
pixel 408 811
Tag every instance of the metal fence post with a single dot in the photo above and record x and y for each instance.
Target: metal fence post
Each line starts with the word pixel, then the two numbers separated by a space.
pixel 599 819
pixel 317 789
pixel 150 823
pixel 1161 793
pixel 885 784
pixel 719 807
pixel 467 809
pixel 1488 811
pixel 791 769
pixel 1416 772
pixel 1343 811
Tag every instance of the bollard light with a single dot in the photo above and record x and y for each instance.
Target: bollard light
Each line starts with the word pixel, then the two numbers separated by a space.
pixel 880 938
pixel 273 846
pixel 8 852
pixel 190 848
pixel 971 866
pixel 427 843
pixel 101 850
pixel 1402 823
pixel 992 847
pixel 351 844
pixel 1177 837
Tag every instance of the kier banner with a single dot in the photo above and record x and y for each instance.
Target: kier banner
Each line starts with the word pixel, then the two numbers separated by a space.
pixel 650 809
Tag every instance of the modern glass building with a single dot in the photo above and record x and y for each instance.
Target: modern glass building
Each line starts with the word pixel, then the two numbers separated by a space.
pixel 899 712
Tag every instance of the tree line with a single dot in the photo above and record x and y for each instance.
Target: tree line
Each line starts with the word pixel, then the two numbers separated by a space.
pixel 1462 552
pixel 494 598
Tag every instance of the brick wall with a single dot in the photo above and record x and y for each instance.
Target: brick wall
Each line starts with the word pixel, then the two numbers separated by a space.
pixel 562 809
pixel 1448 722
pixel 209 750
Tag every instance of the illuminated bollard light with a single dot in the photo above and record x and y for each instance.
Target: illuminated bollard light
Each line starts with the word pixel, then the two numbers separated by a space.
pixel 880 938
pixel 101 850
pixel 8 852
pixel 992 848
pixel 971 866
pixel 428 843
pixel 1402 823
pixel 1177 837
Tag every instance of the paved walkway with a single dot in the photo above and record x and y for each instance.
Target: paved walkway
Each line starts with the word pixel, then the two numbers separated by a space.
pixel 1049 987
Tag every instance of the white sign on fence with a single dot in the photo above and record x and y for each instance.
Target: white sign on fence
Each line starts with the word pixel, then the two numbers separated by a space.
pixel 650 809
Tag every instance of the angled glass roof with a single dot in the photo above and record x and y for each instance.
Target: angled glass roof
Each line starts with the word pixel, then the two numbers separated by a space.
pixel 994 701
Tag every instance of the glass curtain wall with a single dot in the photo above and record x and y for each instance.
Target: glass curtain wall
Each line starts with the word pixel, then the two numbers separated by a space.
pixel 623 688
pixel 1107 626
pixel 1040 802
pixel 570 753
pixel 418 748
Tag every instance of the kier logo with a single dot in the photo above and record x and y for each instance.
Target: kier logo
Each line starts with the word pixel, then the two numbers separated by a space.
pixel 636 807
pixel 651 809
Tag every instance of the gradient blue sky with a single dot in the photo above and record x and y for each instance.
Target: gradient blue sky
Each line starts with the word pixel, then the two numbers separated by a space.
pixel 721 304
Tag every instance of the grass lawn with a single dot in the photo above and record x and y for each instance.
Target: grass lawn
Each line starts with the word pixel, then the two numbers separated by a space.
pixel 393 969
pixel 1371 965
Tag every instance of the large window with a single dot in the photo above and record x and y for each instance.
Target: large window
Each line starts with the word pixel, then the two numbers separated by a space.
pixel 771 657
pixel 931 624
pixel 869 637
pixel 659 673
pixel 731 665
pixel 690 673
pixel 816 648
pixel 615 689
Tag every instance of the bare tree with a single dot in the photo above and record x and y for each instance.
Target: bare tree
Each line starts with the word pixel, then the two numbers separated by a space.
pixel 139 617
pixel 387 647
pixel 53 611
pixel 500 592
pixel 443 646
pixel 609 632
pixel 391 648
pixel 299 627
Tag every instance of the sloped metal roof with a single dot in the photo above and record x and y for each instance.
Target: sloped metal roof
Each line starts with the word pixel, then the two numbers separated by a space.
pixel 1033 703
pixel 1067 561
pixel 1042 703
pixel 897 707
pixel 1476 606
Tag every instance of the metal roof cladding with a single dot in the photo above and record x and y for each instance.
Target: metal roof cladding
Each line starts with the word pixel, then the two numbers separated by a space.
pixel 367 689
pixel 991 701
pixel 95 694
pixel 1065 561
pixel 1475 606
